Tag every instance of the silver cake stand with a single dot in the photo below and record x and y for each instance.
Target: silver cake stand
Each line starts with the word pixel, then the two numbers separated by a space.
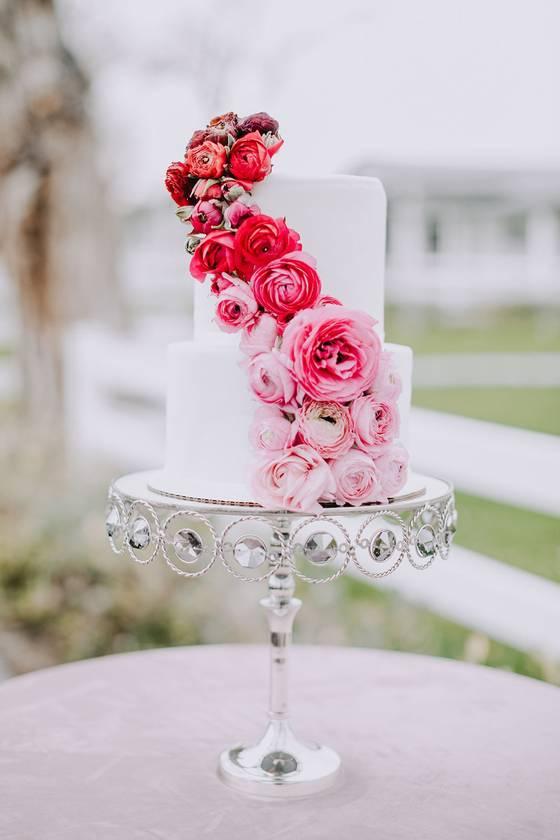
pixel 257 545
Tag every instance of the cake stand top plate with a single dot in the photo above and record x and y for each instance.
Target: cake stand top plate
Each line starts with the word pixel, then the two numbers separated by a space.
pixel 134 486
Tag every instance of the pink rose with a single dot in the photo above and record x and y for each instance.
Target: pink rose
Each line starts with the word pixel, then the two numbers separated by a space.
pixel 376 423
pixel 207 160
pixel 327 427
pixel 213 255
pixel 238 211
pixel 259 337
pixel 270 380
pixel 387 385
pixel 358 481
pixel 206 216
pixel 334 352
pixel 271 430
pixel 287 285
pixel 392 466
pixel 236 307
pixel 293 480
pixel 219 282
pixel 249 159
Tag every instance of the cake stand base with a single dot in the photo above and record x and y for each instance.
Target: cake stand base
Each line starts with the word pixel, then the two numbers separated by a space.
pixel 279 766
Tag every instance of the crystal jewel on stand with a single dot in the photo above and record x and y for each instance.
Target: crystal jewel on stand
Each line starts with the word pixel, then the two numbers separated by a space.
pixel 320 548
pixel 426 541
pixel 113 522
pixel 188 545
pixel 382 545
pixel 450 527
pixel 139 533
pixel 249 552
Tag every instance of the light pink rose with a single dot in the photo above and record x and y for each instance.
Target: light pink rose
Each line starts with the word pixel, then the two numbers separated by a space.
pixel 293 480
pixel 259 337
pixel 334 352
pixel 376 423
pixel 358 481
pixel 327 427
pixel 287 284
pixel 206 216
pixel 270 380
pixel 393 469
pixel 387 385
pixel 236 307
pixel 238 211
pixel 270 430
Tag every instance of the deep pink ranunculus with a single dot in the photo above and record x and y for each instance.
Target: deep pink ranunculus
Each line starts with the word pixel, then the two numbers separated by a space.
pixel 334 352
pixel 259 337
pixel 236 307
pixel 179 183
pixel 270 380
pixel 249 159
pixel 287 285
pixel 207 160
pixel 392 466
pixel 270 430
pixel 358 480
pixel 238 212
pixel 206 216
pixel 326 426
pixel 293 480
pixel 262 239
pixel 213 255
pixel 376 423
pixel 207 189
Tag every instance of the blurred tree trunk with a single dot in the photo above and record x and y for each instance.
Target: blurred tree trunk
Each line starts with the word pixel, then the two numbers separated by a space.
pixel 55 233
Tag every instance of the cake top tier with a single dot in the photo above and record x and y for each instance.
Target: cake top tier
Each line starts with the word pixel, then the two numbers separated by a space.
pixel 341 220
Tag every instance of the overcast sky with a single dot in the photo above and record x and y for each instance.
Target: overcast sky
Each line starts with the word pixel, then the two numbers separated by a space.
pixel 435 80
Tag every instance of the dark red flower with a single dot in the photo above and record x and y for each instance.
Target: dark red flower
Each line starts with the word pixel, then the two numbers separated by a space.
pixel 261 122
pixel 179 183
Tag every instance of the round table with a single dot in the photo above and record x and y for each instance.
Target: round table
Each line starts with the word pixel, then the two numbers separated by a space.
pixel 125 748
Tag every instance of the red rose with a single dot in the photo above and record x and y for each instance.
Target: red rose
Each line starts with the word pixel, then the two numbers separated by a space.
pixel 261 239
pixel 213 255
pixel 249 158
pixel 287 285
pixel 179 184
pixel 261 122
pixel 206 216
pixel 207 160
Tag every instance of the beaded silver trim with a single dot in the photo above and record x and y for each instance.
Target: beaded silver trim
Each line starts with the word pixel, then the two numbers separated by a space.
pixel 316 548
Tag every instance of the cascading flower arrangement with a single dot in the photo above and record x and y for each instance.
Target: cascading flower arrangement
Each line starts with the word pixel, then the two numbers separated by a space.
pixel 326 424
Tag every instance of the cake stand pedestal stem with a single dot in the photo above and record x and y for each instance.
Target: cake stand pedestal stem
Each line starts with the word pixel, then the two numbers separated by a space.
pixel 279 765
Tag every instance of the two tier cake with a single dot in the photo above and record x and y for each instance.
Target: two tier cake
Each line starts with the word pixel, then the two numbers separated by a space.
pixel 286 397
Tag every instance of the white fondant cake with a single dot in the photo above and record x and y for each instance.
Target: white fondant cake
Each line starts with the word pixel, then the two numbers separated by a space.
pixel 209 406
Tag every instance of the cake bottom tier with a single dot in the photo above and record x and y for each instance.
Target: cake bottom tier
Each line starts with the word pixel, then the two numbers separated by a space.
pixel 209 413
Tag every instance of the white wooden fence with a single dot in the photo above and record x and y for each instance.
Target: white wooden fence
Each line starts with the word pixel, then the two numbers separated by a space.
pixel 115 408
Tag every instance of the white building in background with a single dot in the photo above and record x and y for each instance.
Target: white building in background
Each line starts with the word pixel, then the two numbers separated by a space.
pixel 459 237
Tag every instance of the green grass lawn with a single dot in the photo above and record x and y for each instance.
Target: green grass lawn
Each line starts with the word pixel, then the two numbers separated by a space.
pixel 528 540
pixel 516 330
pixel 529 408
